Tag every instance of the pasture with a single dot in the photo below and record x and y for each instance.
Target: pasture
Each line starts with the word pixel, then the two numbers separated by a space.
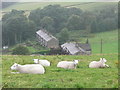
pixel 82 77
pixel 85 6
pixel 109 40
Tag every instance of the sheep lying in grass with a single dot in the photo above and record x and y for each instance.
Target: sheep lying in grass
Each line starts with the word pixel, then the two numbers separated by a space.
pixel 42 62
pixel 28 68
pixel 98 64
pixel 68 64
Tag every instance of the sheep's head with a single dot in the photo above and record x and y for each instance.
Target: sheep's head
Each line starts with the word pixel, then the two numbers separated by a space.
pixel 103 60
pixel 14 66
pixel 76 61
pixel 36 60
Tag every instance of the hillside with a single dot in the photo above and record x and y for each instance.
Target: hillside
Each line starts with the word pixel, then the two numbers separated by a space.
pixel 110 41
pixel 83 5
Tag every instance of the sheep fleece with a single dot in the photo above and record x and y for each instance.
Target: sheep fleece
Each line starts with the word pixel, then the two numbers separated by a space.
pixel 34 69
pixel 66 64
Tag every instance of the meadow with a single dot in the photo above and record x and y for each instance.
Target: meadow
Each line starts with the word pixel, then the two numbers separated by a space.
pixel 87 6
pixel 82 77
pixel 109 41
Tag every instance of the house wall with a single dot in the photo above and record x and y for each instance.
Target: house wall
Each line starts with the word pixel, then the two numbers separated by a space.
pixel 88 52
pixel 53 43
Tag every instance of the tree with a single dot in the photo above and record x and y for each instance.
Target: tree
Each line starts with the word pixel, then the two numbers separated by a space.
pixel 16 28
pixel 64 36
pixel 20 50
pixel 59 15
pixel 75 22
pixel 47 23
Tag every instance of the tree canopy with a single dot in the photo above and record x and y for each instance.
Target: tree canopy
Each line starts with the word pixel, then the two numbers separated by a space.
pixel 17 27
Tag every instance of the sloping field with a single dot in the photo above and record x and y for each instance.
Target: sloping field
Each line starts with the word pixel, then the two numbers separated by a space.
pixel 109 41
pixel 32 6
pixel 96 6
pixel 90 6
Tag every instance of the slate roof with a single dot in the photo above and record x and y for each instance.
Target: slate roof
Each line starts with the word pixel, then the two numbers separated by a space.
pixel 45 35
pixel 71 47
pixel 85 46
pixel 74 48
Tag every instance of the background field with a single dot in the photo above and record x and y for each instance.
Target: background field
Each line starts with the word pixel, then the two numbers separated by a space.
pixel 82 5
pixel 109 39
pixel 82 77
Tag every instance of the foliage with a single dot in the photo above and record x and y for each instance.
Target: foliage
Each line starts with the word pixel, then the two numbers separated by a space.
pixel 63 36
pixel 20 50
pixel 57 13
pixel 16 28
pixel 47 23
pixel 82 77
pixel 75 22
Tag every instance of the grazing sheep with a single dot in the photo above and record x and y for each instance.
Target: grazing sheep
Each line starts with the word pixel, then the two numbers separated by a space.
pixel 68 64
pixel 98 64
pixel 42 62
pixel 29 68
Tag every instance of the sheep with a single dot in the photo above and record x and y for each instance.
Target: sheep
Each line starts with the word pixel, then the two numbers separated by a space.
pixel 28 68
pixel 98 64
pixel 42 62
pixel 68 64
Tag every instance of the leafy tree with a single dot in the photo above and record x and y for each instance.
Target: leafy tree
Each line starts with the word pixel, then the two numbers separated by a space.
pixel 75 22
pixel 16 28
pixel 59 15
pixel 64 36
pixel 47 23
pixel 20 50
pixel 107 25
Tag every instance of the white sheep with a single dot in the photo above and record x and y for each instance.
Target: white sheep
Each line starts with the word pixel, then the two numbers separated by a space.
pixel 42 62
pixel 68 64
pixel 28 68
pixel 98 64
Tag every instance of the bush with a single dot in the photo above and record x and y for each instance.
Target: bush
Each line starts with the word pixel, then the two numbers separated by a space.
pixel 20 50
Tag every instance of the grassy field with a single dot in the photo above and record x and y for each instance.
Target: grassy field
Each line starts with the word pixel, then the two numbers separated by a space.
pixel 82 77
pixel 109 39
pixel 35 5
pixel 83 5
pixel 96 6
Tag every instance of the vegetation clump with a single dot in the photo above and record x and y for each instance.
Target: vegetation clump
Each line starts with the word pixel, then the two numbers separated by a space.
pixel 20 50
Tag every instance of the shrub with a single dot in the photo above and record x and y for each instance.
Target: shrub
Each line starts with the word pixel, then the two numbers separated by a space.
pixel 20 50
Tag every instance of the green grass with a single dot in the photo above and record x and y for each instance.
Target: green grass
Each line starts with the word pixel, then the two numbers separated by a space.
pixel 32 6
pixel 109 39
pixel 82 77
pixel 83 5
pixel 96 6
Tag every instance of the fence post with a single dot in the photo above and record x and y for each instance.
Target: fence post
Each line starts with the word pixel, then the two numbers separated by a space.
pixel 101 46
